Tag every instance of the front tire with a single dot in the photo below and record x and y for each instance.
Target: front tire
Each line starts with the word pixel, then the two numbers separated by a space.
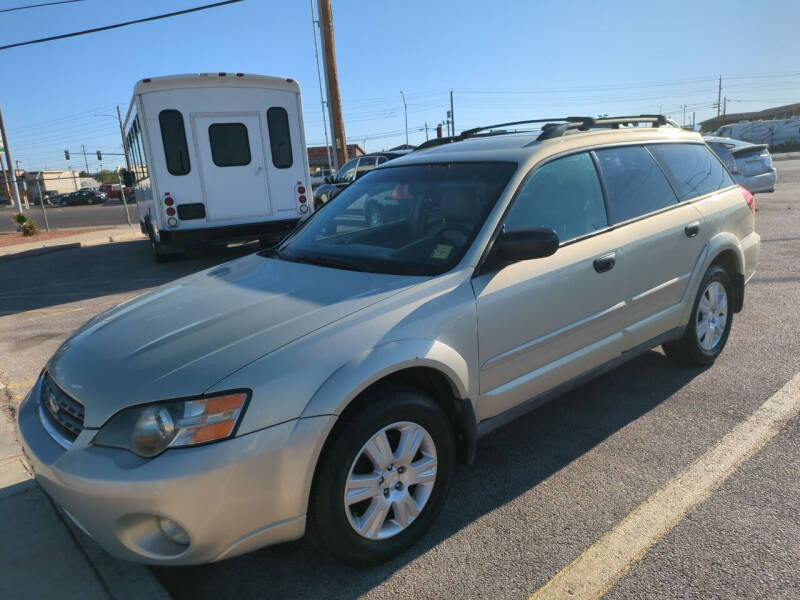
pixel 710 323
pixel 383 477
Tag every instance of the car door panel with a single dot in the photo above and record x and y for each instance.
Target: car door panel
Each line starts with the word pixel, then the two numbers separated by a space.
pixel 538 326
pixel 546 320
pixel 660 260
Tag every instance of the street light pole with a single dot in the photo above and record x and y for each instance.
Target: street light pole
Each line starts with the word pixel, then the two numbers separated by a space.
pixel 405 111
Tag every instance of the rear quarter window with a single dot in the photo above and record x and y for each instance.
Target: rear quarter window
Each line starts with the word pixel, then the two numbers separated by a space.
pixel 693 169
pixel 173 136
pixel 635 184
pixel 280 141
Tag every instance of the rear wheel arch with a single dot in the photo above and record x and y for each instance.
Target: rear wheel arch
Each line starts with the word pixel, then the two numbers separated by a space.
pixel 729 260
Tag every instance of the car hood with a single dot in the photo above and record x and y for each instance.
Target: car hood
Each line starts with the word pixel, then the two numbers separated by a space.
pixel 181 338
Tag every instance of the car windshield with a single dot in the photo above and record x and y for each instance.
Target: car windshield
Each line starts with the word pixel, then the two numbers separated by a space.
pixel 412 220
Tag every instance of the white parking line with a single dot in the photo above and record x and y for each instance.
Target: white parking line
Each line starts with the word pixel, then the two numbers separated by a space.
pixel 601 565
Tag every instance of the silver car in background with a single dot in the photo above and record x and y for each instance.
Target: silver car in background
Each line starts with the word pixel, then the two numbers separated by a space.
pixel 750 164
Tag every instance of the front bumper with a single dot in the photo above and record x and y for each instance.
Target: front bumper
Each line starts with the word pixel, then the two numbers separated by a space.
pixel 230 497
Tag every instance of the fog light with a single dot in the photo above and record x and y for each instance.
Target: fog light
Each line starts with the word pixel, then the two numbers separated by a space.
pixel 303 208
pixel 173 531
pixel 172 222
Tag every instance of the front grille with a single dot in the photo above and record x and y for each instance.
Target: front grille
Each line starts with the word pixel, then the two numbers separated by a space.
pixel 63 412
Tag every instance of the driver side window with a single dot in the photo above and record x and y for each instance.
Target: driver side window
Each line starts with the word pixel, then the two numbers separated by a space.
pixel 563 195
pixel 347 172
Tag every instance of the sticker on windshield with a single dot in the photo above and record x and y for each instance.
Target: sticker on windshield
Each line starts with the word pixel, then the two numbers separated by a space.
pixel 442 251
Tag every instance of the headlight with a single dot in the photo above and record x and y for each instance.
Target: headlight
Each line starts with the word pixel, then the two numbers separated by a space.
pixel 150 429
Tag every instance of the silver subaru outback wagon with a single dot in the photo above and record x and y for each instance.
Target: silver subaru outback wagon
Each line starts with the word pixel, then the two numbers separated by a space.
pixel 328 385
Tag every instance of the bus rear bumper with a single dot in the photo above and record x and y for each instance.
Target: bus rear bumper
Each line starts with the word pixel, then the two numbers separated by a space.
pixel 269 232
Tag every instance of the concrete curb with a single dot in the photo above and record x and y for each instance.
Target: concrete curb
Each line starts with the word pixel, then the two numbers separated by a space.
pixel 122 579
pixel 124 237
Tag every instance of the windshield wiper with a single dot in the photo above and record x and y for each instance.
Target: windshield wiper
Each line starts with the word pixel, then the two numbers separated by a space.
pixel 326 261
pixel 322 261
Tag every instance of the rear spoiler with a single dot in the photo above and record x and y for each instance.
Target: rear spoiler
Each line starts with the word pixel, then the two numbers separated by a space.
pixel 748 150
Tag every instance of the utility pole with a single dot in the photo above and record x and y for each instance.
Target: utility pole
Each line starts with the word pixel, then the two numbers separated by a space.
pixel 405 111
pixel 719 95
pixel 332 81
pixel 124 143
pixel 452 114
pixel 426 131
pixel 85 161
pixel 12 178
pixel 314 25
pixel 684 115
pixel 724 107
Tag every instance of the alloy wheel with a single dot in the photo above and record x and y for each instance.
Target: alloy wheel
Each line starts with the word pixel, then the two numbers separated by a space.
pixel 390 480
pixel 712 315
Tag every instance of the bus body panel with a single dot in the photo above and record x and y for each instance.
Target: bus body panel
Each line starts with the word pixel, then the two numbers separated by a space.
pixel 229 165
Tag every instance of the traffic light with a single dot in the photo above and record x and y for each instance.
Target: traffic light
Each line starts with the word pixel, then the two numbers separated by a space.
pixel 66 154
pixel 99 155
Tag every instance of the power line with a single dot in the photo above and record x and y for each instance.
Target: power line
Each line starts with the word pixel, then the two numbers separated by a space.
pixel 38 5
pixel 116 25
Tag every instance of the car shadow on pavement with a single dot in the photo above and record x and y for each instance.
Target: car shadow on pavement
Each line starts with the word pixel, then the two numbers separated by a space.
pixel 65 276
pixel 510 462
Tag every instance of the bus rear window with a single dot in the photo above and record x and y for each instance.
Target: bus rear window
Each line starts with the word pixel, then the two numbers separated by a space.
pixel 280 140
pixel 173 135
pixel 230 145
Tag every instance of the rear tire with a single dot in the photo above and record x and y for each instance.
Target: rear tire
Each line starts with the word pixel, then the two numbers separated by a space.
pixel 156 248
pixel 404 496
pixel 710 321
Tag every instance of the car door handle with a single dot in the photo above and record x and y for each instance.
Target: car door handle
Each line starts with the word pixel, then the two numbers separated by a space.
pixel 605 262
pixel 692 229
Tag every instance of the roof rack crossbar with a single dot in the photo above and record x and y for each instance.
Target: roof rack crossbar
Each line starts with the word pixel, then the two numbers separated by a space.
pixel 556 127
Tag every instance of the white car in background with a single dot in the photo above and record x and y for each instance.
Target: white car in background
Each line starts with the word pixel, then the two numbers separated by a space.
pixel 750 164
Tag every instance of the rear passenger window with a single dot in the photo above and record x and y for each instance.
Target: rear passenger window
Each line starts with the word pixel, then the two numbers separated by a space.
pixel 280 141
pixel 173 136
pixel 564 195
pixel 634 183
pixel 230 146
pixel 367 163
pixel 692 169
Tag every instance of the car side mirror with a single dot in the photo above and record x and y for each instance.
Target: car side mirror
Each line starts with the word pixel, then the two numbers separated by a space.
pixel 515 245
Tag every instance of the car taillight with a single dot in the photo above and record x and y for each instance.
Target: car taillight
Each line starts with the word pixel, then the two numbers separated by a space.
pixel 730 162
pixel 749 198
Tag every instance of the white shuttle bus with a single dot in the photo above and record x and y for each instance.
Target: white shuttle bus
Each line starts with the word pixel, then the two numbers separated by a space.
pixel 217 157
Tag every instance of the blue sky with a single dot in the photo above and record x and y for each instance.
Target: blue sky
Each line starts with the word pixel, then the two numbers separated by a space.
pixel 504 60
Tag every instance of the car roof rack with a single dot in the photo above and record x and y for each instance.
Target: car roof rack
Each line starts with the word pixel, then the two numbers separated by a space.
pixel 553 128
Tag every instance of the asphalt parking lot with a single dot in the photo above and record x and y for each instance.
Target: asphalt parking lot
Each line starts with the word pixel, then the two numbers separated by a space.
pixel 111 212
pixel 544 488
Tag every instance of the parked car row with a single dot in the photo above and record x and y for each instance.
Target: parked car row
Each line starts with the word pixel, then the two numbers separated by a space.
pixel 112 190
pixel 82 197
pixel 750 164
pixel 349 172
